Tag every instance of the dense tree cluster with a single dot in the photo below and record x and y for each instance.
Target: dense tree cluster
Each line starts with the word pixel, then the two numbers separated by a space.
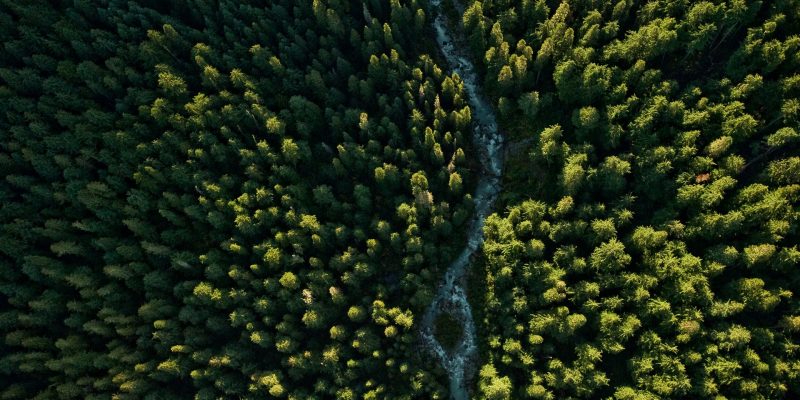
pixel 650 245
pixel 223 199
pixel 256 199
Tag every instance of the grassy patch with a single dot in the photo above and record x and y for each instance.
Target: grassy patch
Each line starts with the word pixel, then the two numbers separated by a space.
pixel 448 331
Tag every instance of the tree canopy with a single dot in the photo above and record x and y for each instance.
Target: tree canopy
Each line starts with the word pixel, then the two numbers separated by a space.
pixel 249 199
pixel 223 200
pixel 648 244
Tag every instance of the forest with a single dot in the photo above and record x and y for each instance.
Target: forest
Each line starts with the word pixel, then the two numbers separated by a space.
pixel 647 247
pixel 258 199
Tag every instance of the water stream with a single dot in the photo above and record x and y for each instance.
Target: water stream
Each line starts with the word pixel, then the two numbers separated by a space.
pixel 451 295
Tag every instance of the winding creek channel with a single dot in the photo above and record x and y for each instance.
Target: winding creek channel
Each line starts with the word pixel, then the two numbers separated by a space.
pixel 451 295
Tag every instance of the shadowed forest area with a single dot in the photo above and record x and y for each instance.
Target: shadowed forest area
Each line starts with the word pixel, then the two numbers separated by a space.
pixel 223 200
pixel 259 199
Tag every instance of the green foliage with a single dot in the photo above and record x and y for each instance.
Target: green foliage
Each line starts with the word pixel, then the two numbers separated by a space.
pixel 448 331
pixel 201 200
pixel 241 200
pixel 492 386
pixel 661 140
